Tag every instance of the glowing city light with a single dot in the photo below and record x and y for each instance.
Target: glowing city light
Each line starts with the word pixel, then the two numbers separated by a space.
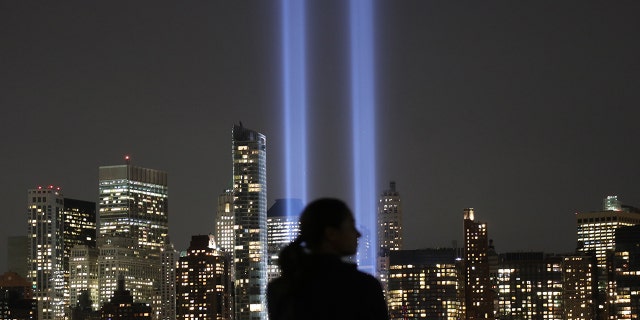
pixel 294 98
pixel 363 126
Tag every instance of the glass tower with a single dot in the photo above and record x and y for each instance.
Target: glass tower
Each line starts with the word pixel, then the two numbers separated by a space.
pixel 250 222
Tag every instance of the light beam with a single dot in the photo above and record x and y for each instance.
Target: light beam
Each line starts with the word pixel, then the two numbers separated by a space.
pixel 294 98
pixel 363 126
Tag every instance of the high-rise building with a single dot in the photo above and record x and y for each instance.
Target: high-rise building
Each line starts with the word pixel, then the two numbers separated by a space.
pixel 225 223
pixel 203 290
pixel 134 203
pixel 283 226
pixel 168 283
pixel 477 288
pixel 250 222
pixel 389 231
pixel 596 236
pixel 134 225
pixel 626 273
pixel 530 286
pixel 578 287
pixel 79 225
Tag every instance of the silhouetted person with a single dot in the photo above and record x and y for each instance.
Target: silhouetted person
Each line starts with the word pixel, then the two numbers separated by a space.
pixel 315 282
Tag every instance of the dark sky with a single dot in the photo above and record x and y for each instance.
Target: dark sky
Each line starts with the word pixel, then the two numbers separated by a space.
pixel 525 110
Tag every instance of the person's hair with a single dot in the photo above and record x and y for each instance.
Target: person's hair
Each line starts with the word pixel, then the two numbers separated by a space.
pixel 316 217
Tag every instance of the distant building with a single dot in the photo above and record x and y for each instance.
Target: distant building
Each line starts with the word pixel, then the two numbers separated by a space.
pixel 626 268
pixel 168 283
pixel 249 155
pixel 425 284
pixel 204 287
pixel 282 228
pixel 83 275
pixel 18 255
pixel 122 307
pixel 83 309
pixel 16 298
pixel 479 298
pixel 389 233
pixel 579 287
pixel 134 226
pixel 530 286
pixel 225 230
pixel 596 236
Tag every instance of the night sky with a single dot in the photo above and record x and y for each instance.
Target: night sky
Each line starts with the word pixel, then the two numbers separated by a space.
pixel 526 111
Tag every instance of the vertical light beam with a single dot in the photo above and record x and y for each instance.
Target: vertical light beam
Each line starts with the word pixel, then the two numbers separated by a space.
pixel 294 98
pixel 363 126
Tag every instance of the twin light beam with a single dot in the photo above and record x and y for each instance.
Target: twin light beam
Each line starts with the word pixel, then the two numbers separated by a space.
pixel 362 115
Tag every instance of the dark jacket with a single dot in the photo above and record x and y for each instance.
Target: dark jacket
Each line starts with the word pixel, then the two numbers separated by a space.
pixel 326 288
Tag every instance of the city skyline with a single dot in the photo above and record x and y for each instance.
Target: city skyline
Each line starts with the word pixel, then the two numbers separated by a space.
pixel 528 119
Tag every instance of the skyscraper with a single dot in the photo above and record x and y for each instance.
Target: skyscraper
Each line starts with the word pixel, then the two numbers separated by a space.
pixel 203 290
pixel 55 225
pixel 389 226
pixel 478 295
pixel 225 222
pixel 250 220
pixel 134 203
pixel 596 236
pixel 282 228
pixel 134 225
pixel 168 283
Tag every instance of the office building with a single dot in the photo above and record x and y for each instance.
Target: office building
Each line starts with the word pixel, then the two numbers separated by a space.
pixel 283 226
pixel 250 222
pixel 203 287
pixel 530 286
pixel 425 284
pixel 134 225
pixel 596 236
pixel 225 227
pixel 389 233
pixel 478 295
pixel 83 275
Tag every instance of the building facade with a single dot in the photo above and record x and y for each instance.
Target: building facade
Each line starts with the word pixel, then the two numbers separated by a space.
pixel 479 297
pixel 250 222
pixel 389 233
pixel 283 226
pixel 134 226
pixel 204 285
pixel 425 284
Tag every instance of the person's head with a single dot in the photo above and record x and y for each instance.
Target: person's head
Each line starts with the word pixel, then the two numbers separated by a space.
pixel 327 226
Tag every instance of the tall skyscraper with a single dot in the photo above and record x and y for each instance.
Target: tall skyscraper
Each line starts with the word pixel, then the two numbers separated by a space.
pixel 478 295
pixel 55 225
pixel 578 285
pixel 282 228
pixel 203 290
pixel 425 284
pixel 389 231
pixel 250 220
pixel 134 203
pixel 168 283
pixel 134 225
